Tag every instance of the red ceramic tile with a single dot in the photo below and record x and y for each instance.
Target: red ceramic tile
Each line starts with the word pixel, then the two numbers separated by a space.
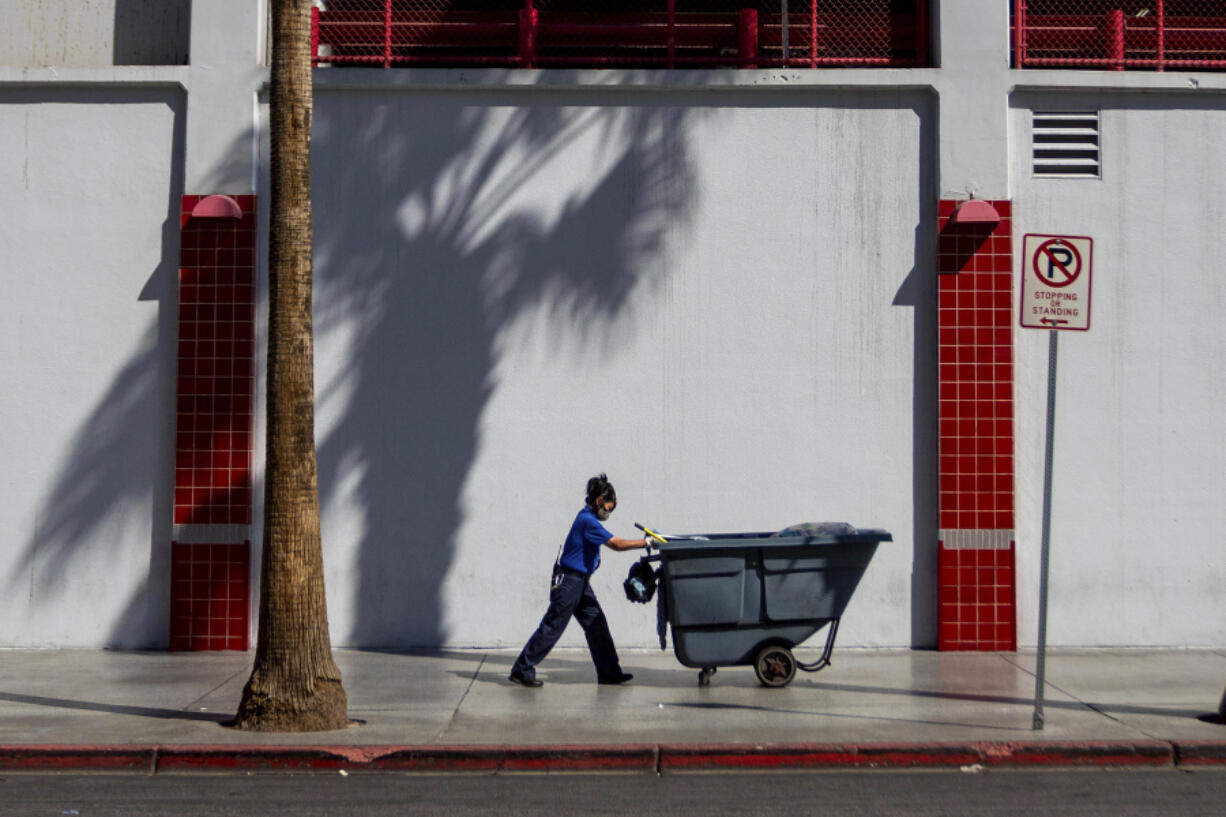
pixel 948 634
pixel 975 320
pixel 977 596
pixel 209 605
pixel 189 240
pixel 218 608
pixel 1004 634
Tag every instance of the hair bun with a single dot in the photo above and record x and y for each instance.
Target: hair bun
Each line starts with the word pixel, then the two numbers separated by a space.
pixel 599 487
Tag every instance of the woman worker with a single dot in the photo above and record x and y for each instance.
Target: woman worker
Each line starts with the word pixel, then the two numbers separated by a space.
pixel 572 594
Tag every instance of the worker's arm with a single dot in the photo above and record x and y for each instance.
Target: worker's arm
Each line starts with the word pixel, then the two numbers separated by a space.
pixel 618 543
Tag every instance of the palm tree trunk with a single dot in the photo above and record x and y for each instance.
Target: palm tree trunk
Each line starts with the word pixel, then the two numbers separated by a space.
pixel 295 684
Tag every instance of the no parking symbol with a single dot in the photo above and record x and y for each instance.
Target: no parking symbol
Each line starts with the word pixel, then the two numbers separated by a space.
pixel 1056 281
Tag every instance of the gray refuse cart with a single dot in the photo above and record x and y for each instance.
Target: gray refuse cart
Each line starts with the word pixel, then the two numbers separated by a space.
pixel 746 599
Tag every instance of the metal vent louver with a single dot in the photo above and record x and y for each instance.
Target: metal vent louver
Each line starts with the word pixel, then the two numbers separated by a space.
pixel 1066 144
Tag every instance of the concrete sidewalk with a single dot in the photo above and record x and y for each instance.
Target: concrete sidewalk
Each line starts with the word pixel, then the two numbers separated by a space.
pixel 456 710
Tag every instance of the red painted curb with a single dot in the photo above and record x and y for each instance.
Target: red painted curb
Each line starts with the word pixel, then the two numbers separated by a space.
pixel 1201 752
pixel 640 757
pixel 627 757
pixel 82 758
pixel 617 757
pixel 1080 753
pixel 913 755
pixel 249 758
pixel 795 756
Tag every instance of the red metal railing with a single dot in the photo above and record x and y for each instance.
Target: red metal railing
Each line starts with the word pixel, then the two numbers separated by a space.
pixel 1120 34
pixel 631 33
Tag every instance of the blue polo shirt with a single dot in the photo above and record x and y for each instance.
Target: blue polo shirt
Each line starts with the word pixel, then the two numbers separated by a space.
pixel 582 548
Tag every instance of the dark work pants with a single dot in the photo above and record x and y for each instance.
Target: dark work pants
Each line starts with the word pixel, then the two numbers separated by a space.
pixel 572 597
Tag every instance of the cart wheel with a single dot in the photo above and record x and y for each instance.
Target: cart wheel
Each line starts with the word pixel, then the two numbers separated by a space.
pixel 704 676
pixel 775 666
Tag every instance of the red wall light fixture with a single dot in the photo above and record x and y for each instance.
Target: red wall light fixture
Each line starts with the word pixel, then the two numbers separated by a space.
pixel 975 211
pixel 217 207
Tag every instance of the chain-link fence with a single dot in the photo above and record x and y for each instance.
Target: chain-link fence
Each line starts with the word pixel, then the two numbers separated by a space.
pixel 629 33
pixel 1120 34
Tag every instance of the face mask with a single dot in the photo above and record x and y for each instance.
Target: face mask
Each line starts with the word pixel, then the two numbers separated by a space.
pixel 602 514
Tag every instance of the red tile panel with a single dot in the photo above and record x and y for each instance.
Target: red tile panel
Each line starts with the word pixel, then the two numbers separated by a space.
pixel 216 360
pixel 210 588
pixel 975 417
pixel 977 598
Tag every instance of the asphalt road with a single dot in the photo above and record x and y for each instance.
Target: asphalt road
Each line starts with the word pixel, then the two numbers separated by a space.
pixel 830 794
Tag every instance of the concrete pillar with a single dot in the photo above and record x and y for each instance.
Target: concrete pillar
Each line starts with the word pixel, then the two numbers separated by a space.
pixel 974 116
pixel 976 559
pixel 221 118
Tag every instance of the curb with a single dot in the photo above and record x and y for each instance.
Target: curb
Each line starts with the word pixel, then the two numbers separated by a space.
pixel 489 759
pixel 1201 753
pixel 408 758
pixel 657 758
pixel 78 758
pixel 914 755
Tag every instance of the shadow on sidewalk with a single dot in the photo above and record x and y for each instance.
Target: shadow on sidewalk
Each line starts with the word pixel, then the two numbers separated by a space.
pixel 815 713
pixel 1105 709
pixel 118 709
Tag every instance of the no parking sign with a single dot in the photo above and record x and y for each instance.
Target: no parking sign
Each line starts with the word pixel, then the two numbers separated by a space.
pixel 1055 295
pixel 1056 281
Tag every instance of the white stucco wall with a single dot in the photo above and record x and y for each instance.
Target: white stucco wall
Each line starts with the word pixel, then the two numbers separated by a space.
pixel 1137 519
pixel 94 33
pixel 713 303
pixel 88 188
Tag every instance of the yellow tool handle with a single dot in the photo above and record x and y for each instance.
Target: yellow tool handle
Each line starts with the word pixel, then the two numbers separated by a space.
pixel 650 533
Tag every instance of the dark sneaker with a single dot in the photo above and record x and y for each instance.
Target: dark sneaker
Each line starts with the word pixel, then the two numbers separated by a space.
pixel 525 682
pixel 616 679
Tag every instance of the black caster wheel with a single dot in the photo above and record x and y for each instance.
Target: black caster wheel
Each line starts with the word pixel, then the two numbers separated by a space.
pixel 775 666
pixel 704 676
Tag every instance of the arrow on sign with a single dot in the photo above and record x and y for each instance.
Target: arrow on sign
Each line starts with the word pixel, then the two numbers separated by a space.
pixel 1052 321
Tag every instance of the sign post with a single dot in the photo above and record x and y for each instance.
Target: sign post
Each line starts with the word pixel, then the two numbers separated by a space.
pixel 1055 296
